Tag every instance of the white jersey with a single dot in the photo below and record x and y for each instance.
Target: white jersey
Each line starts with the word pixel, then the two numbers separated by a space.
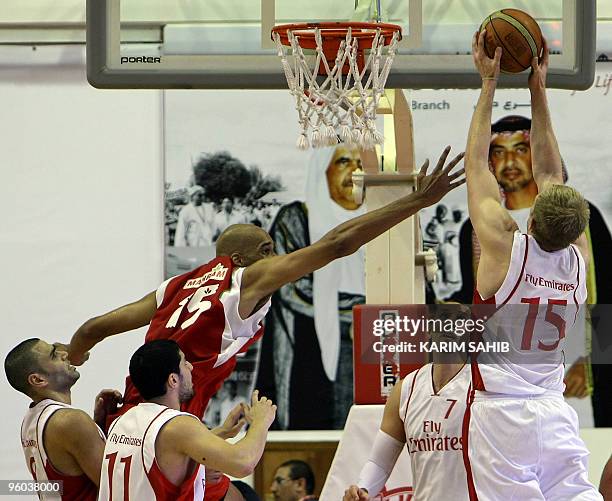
pixel 539 301
pixel 32 440
pixel 432 422
pixel 130 463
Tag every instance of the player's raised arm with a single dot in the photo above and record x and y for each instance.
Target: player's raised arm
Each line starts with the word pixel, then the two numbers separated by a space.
pixel 546 159
pixel 492 223
pixel 123 319
pixel 188 436
pixel 387 447
pixel 267 275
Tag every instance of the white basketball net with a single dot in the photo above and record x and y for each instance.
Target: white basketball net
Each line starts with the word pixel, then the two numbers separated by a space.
pixel 338 108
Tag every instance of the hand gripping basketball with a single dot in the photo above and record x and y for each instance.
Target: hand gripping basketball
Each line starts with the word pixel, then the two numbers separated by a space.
pixel 517 33
pixel 539 69
pixel 488 68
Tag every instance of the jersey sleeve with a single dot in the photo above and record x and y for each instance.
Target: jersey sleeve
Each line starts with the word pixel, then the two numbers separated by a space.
pixel 161 291
pixel 239 327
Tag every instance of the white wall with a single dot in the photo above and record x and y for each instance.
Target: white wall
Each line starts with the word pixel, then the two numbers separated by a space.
pixel 81 207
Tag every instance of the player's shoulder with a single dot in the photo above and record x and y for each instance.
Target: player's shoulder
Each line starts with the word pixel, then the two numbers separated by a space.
pixel 66 416
pixel 215 264
pixel 181 426
pixel 70 424
pixel 217 270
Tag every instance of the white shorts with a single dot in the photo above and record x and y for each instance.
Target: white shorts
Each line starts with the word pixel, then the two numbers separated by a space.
pixel 525 449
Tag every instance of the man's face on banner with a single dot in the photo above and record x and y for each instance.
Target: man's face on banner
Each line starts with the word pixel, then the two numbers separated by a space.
pixel 339 176
pixel 510 159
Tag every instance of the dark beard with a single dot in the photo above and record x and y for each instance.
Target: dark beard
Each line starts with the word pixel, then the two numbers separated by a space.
pixel 186 395
pixel 513 186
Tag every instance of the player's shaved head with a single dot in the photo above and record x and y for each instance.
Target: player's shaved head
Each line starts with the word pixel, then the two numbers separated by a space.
pixel 238 238
pixel 243 243
pixel 20 362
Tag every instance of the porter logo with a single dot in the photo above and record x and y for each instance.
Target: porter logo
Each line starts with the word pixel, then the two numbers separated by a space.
pixel 140 59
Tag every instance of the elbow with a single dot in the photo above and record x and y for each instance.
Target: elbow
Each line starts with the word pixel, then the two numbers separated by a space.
pixel 87 329
pixel 89 332
pixel 243 471
pixel 244 466
pixel 340 243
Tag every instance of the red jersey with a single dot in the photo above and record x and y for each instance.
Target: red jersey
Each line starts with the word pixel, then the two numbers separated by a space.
pixel 199 310
pixel 76 488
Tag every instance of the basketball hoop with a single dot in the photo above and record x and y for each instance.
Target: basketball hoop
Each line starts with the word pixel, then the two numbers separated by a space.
pixel 339 95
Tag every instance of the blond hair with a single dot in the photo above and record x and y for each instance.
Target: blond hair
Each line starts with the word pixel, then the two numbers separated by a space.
pixel 560 215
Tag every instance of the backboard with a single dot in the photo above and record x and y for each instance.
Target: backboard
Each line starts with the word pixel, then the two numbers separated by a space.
pixel 226 43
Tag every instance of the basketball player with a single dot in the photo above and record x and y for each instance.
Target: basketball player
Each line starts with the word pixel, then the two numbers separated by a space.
pixel 520 437
pixel 155 451
pixel 214 312
pixel 424 412
pixel 59 441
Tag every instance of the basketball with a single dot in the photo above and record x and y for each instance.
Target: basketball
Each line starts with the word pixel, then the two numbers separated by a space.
pixel 517 33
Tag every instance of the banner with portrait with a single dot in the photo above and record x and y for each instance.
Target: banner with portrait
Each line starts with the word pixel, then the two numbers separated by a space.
pixel 231 158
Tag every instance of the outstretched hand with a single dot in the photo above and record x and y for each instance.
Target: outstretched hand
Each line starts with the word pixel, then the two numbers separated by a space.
pixel 539 69
pixel 432 187
pixel 487 67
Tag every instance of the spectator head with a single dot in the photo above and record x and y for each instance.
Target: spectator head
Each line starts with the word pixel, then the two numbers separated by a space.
pixel 457 214
pixel 231 387
pixel 196 194
pixel 441 212
pixel 227 205
pixel 292 481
